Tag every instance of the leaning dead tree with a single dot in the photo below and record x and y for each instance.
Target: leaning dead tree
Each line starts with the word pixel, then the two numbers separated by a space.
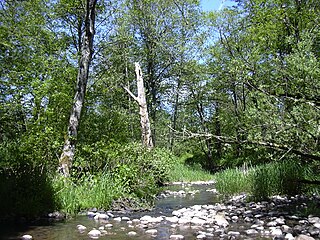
pixel 144 116
pixel 68 152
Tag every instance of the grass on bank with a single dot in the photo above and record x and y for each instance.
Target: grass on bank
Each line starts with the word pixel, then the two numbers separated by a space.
pixel 131 179
pixel 263 181
pixel 181 172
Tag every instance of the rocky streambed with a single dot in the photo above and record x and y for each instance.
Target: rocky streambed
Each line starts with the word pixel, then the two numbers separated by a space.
pixel 197 211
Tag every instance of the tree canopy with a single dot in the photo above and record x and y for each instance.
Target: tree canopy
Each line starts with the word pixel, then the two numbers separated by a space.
pixel 230 86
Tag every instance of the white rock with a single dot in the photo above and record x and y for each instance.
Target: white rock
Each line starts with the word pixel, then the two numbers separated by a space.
pixel 26 237
pixel 196 207
pixel 81 228
pixel 317 225
pixel 312 219
pixel 101 228
pixel 233 233
pixel 117 219
pixel 280 221
pixel 234 218
pixel 103 216
pixel 109 225
pixel 152 231
pixel 201 236
pixel 125 219
pixel 146 218
pixel 289 236
pixel 272 224
pixel 135 221
pixel 176 237
pixel 304 237
pixel 132 233
pixel 198 221
pixel 221 220
pixel 156 219
pixel 251 231
pixel 94 234
pixel 184 221
pixel 91 214
pixel 173 219
pixel 276 232
pixel 285 228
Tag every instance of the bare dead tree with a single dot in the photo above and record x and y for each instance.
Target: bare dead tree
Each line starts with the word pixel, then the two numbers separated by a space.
pixel 146 135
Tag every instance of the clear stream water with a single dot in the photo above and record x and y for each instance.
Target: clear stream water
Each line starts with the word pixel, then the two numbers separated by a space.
pixel 68 230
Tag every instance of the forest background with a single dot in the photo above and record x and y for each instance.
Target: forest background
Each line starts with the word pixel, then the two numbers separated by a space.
pixel 235 88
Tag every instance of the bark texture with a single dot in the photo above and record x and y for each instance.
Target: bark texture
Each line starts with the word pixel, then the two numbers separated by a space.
pixel 146 134
pixel 68 152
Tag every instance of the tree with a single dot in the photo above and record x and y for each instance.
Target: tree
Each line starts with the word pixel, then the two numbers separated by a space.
pixel 265 61
pixel 142 102
pixel 68 153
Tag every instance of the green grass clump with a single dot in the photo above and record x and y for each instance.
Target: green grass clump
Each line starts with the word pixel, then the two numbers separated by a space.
pixel 264 180
pixel 181 172
pixel 91 191
pixel 234 180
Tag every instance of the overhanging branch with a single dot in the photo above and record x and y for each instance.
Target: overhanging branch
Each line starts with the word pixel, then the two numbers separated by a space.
pixel 186 134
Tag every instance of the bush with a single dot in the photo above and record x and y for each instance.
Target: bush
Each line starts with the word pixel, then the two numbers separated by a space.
pixel 114 172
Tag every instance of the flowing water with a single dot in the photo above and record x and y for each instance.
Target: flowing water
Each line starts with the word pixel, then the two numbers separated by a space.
pixel 68 230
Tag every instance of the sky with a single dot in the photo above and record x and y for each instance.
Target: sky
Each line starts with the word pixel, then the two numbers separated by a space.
pixel 209 5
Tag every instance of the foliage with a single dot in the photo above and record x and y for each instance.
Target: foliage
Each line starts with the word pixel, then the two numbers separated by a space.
pixel 233 87
pixel 130 171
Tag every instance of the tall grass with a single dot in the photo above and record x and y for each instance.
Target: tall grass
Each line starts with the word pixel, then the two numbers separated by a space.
pixel 186 173
pixel 92 191
pixel 264 180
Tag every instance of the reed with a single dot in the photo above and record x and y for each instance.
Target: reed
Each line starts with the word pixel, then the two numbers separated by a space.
pixel 264 180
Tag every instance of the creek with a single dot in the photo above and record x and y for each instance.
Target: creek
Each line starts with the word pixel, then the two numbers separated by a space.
pixel 174 198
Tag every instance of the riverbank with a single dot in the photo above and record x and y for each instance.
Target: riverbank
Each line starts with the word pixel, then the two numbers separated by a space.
pixel 198 211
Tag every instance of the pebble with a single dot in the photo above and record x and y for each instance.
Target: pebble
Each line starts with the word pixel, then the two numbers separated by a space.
pixel 94 234
pixel 132 233
pixel 152 231
pixel 81 228
pixel 26 237
pixel 304 237
pixel 251 231
pixel 289 236
pixel 276 232
pixel 125 219
pixel 255 219
pixel 232 233
pixel 176 237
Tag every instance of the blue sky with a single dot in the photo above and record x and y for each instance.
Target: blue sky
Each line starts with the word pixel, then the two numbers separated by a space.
pixel 209 5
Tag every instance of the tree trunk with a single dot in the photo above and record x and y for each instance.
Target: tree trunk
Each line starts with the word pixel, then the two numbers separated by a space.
pixel 68 152
pixel 144 116
pixel 175 114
